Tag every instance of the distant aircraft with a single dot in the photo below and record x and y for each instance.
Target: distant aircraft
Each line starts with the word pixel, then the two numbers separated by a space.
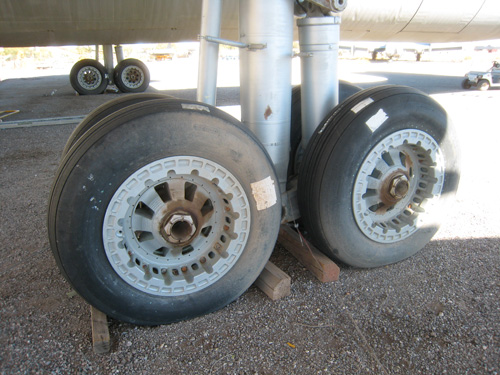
pixel 165 209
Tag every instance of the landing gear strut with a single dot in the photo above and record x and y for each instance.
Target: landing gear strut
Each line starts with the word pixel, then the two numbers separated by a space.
pixel 166 209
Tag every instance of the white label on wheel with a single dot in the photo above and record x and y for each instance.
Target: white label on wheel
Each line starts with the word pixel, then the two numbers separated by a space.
pixel 376 120
pixel 358 107
pixel 264 193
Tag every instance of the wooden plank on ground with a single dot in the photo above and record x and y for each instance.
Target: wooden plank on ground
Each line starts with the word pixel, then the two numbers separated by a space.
pixel 100 331
pixel 314 260
pixel 274 282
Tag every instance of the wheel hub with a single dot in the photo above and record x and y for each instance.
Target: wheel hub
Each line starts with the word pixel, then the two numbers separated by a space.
pixel 89 78
pixel 179 229
pixel 399 181
pixel 133 77
pixel 399 187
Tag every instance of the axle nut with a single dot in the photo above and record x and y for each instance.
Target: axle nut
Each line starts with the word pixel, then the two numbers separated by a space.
pixel 399 187
pixel 179 228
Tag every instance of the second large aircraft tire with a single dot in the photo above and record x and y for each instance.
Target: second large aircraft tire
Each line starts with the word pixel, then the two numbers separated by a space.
pixel 378 175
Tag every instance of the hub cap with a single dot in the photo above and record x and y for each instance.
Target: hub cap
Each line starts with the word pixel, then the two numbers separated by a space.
pixel 89 78
pixel 176 225
pixel 132 77
pixel 399 182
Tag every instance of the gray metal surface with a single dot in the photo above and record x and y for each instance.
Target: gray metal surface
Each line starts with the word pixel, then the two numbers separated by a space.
pixel 119 53
pixel 319 44
pixel 209 52
pixel 90 22
pixel 421 20
pixel 265 76
pixel 109 64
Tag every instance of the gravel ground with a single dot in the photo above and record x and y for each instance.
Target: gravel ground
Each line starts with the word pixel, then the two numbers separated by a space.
pixel 436 313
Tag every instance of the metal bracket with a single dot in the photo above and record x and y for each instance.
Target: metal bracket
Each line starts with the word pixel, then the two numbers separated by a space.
pixel 289 201
pixel 331 5
pixel 232 43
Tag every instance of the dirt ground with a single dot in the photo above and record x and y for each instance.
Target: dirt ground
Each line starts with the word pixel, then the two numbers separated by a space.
pixel 435 313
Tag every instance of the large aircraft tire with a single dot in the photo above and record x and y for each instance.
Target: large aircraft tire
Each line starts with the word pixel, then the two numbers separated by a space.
pixel 377 175
pixel 88 77
pixel 152 221
pixel 107 109
pixel 131 75
pixel 346 90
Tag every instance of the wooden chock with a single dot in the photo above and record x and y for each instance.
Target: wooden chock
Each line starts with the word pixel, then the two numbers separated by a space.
pixel 315 261
pixel 100 331
pixel 274 282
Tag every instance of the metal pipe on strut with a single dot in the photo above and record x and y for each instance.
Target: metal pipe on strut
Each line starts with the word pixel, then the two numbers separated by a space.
pixel 209 52
pixel 319 44
pixel 265 76
pixel 107 52
pixel 119 53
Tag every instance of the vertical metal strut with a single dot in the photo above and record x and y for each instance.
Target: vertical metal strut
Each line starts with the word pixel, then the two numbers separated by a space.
pixel 107 51
pixel 265 76
pixel 119 53
pixel 319 44
pixel 209 52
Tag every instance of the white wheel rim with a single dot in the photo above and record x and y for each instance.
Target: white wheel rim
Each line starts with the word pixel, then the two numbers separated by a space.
pixel 144 255
pixel 132 77
pixel 89 77
pixel 411 158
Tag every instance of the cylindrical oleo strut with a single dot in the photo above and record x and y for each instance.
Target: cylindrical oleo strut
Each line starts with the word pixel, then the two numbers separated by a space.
pixel 319 44
pixel 265 76
pixel 119 53
pixel 209 52
pixel 107 51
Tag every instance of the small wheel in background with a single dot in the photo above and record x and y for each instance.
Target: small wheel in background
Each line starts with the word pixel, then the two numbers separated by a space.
pixel 466 84
pixel 483 85
pixel 88 77
pixel 377 175
pixel 131 75
pixel 107 109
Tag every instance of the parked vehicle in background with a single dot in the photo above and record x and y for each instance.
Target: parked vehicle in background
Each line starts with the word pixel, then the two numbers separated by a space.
pixel 483 80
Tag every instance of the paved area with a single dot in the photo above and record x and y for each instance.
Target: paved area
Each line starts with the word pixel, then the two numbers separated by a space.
pixel 436 313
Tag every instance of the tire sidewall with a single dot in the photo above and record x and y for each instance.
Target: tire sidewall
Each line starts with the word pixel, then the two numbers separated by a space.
pixel 164 134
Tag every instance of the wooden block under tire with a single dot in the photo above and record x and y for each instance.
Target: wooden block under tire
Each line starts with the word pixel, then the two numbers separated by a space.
pixel 100 332
pixel 315 261
pixel 274 282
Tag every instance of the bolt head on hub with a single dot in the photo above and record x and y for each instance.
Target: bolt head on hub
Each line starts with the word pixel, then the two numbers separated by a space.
pixel 399 187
